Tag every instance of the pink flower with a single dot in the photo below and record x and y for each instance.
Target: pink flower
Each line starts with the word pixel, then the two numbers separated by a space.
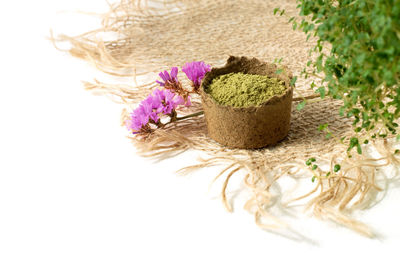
pixel 196 71
pixel 160 102
pixel 139 119
pixel 167 78
pixel 170 100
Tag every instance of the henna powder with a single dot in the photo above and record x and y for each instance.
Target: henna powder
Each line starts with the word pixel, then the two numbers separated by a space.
pixel 244 90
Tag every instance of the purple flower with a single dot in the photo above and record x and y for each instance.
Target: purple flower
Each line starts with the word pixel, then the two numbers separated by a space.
pixel 139 119
pixel 168 78
pixel 169 100
pixel 155 105
pixel 149 111
pixel 195 71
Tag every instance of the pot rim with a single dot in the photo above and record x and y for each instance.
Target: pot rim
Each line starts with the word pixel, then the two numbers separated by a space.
pixel 285 76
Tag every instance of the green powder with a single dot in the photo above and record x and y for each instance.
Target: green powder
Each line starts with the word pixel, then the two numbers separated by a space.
pixel 244 90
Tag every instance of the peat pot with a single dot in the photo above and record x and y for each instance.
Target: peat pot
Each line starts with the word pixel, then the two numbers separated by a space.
pixel 248 127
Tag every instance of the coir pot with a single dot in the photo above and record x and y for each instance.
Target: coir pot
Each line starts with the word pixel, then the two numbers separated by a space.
pixel 248 127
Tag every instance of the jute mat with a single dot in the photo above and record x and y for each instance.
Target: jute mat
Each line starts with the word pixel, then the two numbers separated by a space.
pixel 146 37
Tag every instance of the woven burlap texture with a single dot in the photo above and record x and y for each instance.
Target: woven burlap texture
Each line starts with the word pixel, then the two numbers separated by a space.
pixel 151 36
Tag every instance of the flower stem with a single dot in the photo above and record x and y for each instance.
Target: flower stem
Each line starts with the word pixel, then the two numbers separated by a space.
pixel 190 115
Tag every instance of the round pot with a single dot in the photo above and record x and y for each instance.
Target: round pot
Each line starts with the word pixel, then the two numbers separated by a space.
pixel 249 127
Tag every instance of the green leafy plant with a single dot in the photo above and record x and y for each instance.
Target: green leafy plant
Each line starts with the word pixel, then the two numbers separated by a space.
pixel 356 59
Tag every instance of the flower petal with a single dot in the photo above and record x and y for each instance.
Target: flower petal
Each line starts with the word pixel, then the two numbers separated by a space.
pixel 161 74
pixel 160 83
pixel 174 73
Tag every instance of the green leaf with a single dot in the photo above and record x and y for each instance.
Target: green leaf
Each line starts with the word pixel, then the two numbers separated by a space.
pixel 323 127
pixel 359 150
pixel 313 179
pixel 314 167
pixel 321 91
pixel 310 161
pixel 293 81
pixel 353 143
pixel 301 105
pixel 341 111
pixel 336 168
pixel 276 10
pixel 278 71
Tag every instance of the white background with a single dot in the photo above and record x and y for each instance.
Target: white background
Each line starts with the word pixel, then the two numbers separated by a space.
pixel 74 193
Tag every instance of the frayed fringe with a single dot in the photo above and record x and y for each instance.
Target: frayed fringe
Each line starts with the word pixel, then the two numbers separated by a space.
pixel 334 197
